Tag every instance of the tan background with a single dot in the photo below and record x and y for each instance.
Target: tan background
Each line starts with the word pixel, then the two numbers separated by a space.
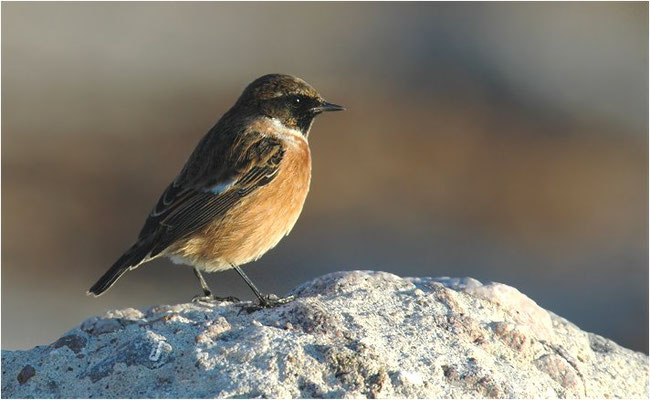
pixel 507 142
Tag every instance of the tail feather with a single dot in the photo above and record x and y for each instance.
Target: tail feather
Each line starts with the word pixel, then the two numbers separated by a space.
pixel 135 256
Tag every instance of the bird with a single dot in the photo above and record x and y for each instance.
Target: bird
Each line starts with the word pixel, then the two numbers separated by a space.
pixel 240 191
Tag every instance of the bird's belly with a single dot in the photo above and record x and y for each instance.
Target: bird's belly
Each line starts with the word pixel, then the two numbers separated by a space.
pixel 255 225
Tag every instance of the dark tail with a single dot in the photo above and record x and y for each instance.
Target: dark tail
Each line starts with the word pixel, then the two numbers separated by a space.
pixel 135 256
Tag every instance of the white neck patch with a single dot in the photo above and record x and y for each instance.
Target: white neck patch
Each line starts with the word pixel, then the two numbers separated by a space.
pixel 287 133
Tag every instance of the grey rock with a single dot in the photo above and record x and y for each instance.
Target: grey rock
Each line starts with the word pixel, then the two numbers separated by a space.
pixel 347 334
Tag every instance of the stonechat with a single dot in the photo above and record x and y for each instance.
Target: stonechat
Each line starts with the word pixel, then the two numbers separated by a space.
pixel 241 190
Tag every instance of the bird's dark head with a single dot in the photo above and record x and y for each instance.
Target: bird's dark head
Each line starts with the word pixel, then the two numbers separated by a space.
pixel 290 100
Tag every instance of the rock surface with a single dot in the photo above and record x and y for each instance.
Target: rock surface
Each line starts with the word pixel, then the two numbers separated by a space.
pixel 348 334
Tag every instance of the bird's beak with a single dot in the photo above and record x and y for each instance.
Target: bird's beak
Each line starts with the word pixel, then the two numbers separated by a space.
pixel 325 106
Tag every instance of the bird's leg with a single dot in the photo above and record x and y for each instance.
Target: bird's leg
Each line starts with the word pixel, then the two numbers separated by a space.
pixel 204 285
pixel 266 301
pixel 207 293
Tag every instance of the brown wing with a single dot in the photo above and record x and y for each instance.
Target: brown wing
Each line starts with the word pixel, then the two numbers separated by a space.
pixel 186 207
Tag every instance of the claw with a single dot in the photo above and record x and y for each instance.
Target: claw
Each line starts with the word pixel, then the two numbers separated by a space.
pixel 212 298
pixel 269 301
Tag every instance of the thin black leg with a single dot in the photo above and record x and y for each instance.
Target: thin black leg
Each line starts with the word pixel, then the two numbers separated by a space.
pixel 204 285
pixel 207 293
pixel 249 283
pixel 269 300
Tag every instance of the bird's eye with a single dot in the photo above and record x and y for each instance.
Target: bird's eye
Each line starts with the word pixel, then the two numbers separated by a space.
pixel 296 101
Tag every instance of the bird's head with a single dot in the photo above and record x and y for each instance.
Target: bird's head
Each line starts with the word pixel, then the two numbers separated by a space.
pixel 290 100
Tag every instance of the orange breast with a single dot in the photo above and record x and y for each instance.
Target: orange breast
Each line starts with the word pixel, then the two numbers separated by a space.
pixel 256 224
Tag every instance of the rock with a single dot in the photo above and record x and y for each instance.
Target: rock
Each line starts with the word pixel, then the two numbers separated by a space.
pixel 347 334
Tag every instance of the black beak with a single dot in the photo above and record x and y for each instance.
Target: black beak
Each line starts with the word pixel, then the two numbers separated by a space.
pixel 325 106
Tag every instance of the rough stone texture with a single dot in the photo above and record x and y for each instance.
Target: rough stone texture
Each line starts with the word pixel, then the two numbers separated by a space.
pixel 348 334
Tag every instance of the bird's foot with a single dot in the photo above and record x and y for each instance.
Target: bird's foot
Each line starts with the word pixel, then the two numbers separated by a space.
pixel 210 298
pixel 269 301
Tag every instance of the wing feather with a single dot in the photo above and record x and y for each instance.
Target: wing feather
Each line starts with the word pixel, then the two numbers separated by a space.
pixel 183 209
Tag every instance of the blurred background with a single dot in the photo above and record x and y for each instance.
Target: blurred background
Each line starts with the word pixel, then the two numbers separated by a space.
pixel 503 141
